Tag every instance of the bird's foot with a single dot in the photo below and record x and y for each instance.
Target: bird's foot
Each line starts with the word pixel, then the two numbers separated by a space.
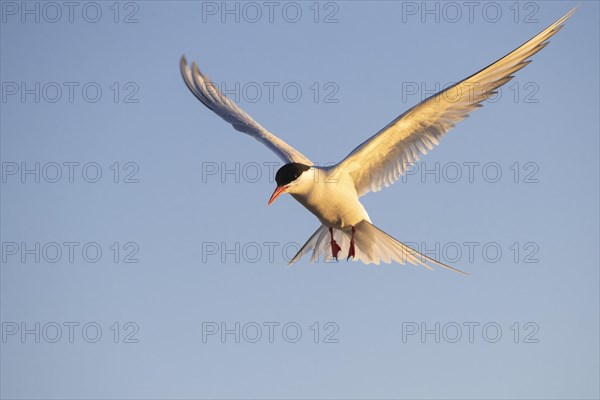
pixel 351 252
pixel 335 248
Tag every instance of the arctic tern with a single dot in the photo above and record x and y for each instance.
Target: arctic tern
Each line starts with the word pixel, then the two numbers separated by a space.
pixel 332 193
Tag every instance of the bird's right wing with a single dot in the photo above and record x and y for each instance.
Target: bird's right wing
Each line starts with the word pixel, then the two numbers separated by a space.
pixel 208 93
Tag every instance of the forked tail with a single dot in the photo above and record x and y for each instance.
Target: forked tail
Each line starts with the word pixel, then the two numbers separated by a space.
pixel 372 246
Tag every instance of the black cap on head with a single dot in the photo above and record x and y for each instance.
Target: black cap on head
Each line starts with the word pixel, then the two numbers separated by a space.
pixel 289 173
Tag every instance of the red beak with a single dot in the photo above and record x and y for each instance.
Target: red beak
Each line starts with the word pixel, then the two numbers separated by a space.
pixel 278 190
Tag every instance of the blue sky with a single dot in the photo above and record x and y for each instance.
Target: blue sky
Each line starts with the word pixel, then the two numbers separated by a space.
pixel 143 216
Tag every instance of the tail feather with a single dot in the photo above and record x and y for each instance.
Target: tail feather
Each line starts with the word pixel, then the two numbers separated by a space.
pixel 372 246
pixel 310 244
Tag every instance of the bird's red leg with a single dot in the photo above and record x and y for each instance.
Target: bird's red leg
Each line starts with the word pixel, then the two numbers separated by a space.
pixel 351 251
pixel 335 248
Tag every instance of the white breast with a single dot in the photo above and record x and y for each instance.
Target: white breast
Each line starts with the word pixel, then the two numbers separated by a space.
pixel 332 198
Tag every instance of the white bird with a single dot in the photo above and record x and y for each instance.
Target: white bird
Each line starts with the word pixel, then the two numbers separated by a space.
pixel 332 193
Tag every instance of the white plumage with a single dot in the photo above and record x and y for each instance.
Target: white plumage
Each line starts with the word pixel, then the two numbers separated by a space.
pixel 332 194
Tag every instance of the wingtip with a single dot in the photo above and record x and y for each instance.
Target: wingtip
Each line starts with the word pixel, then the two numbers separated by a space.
pixel 572 11
pixel 453 269
pixel 183 65
pixel 569 14
pixel 292 261
pixel 195 68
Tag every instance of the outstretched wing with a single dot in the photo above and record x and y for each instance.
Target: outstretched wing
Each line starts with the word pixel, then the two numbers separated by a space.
pixel 381 159
pixel 210 95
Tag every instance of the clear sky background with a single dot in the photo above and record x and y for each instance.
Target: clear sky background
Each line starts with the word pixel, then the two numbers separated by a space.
pixel 203 239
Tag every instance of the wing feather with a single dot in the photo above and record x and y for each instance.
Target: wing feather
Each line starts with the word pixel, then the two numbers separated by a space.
pixel 384 157
pixel 210 95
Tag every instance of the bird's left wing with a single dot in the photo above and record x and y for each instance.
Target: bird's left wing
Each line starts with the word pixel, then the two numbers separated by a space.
pixel 381 159
pixel 210 95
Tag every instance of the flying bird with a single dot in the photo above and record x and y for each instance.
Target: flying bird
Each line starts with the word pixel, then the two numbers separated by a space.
pixel 332 193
